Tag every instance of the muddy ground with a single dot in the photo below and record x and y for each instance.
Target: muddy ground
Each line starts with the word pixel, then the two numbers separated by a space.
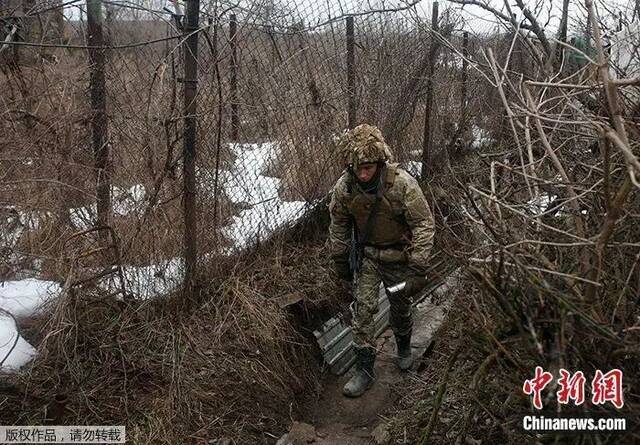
pixel 333 419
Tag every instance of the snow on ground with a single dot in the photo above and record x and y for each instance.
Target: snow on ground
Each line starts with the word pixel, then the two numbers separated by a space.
pixel 23 298
pixel 624 50
pixel 20 299
pixel 130 200
pixel 245 184
pixel 15 221
pixel 13 357
pixel 540 205
pixel 481 138
pixel 144 282
pixel 124 202
pixel 83 218
pixel 264 212
pixel 414 168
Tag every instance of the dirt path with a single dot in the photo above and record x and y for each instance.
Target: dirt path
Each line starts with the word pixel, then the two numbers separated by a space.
pixel 338 420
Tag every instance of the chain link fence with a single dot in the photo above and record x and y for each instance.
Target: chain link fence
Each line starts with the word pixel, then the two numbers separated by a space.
pixel 272 92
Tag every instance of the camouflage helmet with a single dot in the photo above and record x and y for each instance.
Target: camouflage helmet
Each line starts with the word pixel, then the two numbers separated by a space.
pixel 363 144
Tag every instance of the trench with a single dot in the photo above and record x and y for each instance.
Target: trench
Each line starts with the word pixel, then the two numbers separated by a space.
pixel 333 419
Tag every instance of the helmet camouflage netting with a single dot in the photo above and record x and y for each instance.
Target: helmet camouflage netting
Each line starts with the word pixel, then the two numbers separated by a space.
pixel 363 144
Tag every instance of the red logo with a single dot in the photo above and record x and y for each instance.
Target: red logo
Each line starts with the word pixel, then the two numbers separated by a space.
pixel 604 387
pixel 536 385
pixel 571 387
pixel 607 388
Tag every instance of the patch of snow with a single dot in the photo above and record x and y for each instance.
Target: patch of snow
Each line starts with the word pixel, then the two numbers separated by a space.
pixel 15 221
pixel 245 184
pixel 83 218
pixel 150 281
pixel 412 167
pixel 481 137
pixel 125 202
pixel 130 200
pixel 455 62
pixel 540 205
pixel 624 49
pixel 258 222
pixel 13 358
pixel 33 219
pixel 23 298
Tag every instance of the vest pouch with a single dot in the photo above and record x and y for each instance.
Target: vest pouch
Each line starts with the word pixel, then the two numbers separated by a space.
pixel 388 227
pixel 386 256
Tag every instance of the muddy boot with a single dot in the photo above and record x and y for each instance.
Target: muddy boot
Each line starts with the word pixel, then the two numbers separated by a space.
pixel 405 359
pixel 364 376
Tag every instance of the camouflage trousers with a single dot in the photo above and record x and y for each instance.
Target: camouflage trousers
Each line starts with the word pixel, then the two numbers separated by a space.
pixel 389 267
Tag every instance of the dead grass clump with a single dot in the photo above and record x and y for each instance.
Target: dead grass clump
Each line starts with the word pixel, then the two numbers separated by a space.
pixel 233 367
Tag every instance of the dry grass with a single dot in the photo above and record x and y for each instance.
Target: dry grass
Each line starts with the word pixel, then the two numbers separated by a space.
pixel 235 366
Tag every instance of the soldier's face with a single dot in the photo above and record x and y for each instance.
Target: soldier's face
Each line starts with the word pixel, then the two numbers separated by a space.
pixel 366 171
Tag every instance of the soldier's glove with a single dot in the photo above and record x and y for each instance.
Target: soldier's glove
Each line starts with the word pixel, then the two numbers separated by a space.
pixel 415 283
pixel 342 269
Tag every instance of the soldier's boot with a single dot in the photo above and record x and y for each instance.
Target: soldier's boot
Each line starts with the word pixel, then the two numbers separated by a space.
pixel 364 376
pixel 403 343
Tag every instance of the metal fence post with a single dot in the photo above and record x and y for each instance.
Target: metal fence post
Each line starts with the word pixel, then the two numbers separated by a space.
pixel 189 149
pixel 427 137
pixel 351 75
pixel 99 122
pixel 465 75
pixel 233 35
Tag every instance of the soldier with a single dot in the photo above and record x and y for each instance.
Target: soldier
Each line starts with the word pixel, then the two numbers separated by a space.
pixel 378 211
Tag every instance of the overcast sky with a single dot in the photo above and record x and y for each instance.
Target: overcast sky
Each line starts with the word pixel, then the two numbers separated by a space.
pixel 475 18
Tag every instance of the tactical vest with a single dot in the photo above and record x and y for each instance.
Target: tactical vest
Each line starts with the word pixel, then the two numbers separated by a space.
pixel 390 228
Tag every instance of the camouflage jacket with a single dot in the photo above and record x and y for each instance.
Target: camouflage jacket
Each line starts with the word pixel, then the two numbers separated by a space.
pixel 404 218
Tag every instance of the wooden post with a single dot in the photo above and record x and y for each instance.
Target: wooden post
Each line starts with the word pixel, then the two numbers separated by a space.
pixel 99 123
pixel 190 82
pixel 427 138
pixel 351 75
pixel 233 35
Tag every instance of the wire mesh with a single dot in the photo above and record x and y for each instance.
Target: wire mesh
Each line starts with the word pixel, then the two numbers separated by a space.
pixel 271 97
